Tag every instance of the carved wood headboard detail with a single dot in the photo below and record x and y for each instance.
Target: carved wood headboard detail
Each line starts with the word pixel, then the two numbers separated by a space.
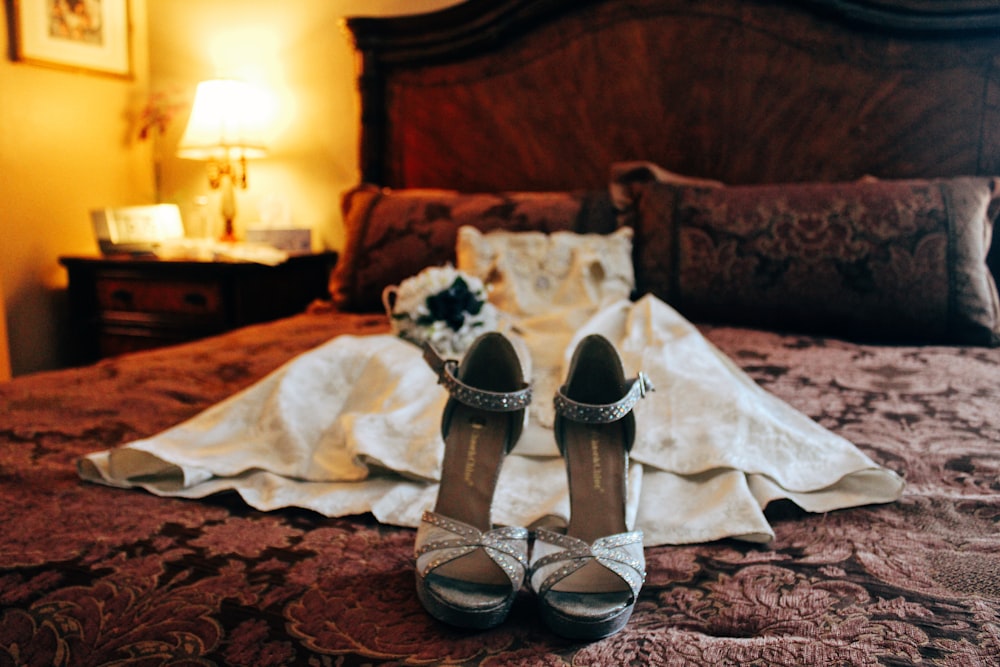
pixel 494 95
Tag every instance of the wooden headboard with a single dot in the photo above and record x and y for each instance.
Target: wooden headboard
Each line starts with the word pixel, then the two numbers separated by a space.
pixel 546 94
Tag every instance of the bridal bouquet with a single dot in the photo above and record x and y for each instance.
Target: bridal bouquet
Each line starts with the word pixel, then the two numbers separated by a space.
pixel 441 305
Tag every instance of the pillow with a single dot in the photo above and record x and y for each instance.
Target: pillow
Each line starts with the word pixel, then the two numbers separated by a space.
pixel 533 273
pixel 886 261
pixel 394 234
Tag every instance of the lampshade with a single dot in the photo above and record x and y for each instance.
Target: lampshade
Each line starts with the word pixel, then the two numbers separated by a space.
pixel 227 115
pixel 226 127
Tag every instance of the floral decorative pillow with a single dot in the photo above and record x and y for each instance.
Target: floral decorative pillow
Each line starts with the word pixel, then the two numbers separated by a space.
pixel 878 260
pixel 533 273
pixel 394 234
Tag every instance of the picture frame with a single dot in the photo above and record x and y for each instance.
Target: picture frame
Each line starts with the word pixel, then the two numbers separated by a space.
pixel 91 36
pixel 136 229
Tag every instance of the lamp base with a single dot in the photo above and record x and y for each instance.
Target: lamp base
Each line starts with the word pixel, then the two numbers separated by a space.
pixel 228 202
pixel 228 233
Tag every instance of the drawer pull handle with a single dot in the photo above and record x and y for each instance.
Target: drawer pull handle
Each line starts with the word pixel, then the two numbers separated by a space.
pixel 122 296
pixel 195 299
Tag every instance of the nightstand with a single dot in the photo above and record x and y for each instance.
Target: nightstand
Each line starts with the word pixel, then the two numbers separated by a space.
pixel 124 304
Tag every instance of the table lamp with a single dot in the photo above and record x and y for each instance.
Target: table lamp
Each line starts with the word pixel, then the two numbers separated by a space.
pixel 225 128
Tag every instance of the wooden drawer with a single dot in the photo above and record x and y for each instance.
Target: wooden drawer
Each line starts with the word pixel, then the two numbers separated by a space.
pixel 123 304
pixel 148 296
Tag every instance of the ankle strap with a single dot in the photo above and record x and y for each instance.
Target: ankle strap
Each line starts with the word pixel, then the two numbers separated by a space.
pixel 603 414
pixel 494 401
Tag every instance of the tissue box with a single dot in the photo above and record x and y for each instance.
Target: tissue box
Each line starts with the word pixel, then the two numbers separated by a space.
pixel 290 239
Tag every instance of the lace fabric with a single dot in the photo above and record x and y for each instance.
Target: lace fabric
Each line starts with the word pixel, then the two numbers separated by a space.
pixel 532 274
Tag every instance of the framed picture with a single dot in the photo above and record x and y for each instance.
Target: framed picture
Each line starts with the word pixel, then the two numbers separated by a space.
pixel 83 35
pixel 136 229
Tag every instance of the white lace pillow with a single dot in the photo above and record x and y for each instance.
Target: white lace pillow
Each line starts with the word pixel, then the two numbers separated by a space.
pixel 533 273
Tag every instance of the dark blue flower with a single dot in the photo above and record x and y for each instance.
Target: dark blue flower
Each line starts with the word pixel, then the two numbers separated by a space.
pixel 452 305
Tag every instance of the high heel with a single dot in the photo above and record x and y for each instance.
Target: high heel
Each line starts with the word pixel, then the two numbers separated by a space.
pixel 587 580
pixel 468 573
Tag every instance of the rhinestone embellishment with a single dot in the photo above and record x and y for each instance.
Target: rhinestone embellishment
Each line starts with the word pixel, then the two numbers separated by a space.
pixel 494 401
pixel 603 414
pixel 506 546
pixel 480 398
pixel 621 553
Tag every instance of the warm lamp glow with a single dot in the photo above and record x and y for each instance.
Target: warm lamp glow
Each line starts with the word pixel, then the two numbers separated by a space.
pixel 227 124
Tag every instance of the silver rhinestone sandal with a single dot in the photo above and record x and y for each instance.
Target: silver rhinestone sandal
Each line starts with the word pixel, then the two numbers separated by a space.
pixel 588 580
pixel 468 572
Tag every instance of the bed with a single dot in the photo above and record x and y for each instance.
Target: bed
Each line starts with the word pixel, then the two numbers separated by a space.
pixel 810 183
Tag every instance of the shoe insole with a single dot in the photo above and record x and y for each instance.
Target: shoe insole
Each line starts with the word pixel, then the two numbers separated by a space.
pixel 475 445
pixel 596 468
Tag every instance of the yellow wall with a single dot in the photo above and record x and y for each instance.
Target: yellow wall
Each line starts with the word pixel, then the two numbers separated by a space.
pixel 67 140
pixel 65 147
pixel 4 357
pixel 298 51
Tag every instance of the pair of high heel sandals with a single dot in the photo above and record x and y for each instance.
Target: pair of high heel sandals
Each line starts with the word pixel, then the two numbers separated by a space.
pixel 586 579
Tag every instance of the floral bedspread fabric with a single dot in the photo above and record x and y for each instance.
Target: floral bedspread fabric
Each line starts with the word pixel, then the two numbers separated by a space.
pixel 95 575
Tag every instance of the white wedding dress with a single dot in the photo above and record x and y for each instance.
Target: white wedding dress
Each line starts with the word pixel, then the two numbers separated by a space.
pixel 353 426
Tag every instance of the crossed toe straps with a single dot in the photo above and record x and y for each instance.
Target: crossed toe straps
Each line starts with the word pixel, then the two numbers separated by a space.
pixel 556 556
pixel 441 540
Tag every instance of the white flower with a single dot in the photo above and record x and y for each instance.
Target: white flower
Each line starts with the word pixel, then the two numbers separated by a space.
pixel 443 306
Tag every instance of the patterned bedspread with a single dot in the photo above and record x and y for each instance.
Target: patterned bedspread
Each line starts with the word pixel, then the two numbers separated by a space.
pixel 91 575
